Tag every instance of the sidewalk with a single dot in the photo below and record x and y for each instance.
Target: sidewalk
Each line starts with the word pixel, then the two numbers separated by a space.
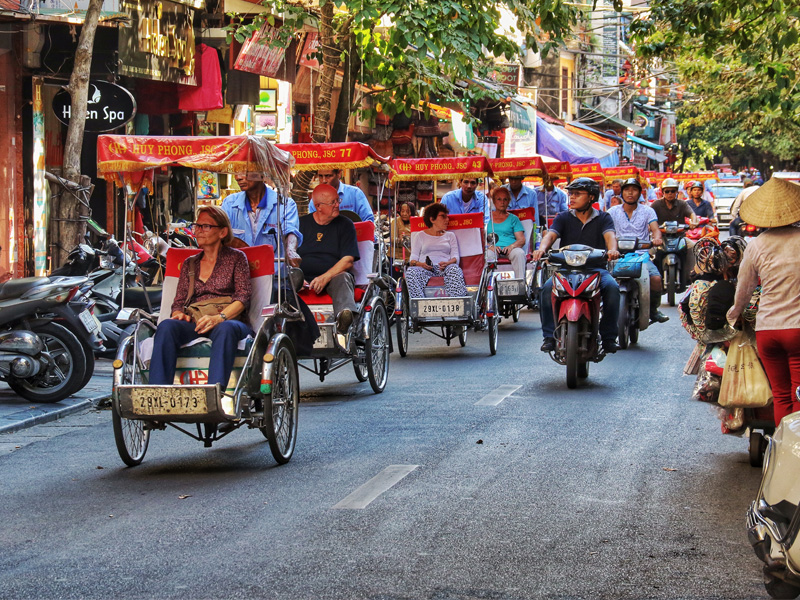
pixel 16 413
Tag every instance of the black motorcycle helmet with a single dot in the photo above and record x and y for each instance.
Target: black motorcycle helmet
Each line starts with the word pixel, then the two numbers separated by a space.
pixel 588 184
pixel 634 182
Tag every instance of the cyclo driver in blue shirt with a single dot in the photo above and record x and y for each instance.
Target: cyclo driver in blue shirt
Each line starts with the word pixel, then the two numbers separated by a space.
pixel 254 216
pixel 582 224
pixel 350 197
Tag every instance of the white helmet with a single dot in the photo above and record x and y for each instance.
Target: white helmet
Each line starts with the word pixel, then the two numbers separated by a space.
pixel 669 183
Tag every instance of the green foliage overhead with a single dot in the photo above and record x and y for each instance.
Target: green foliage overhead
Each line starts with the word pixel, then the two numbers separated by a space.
pixel 740 63
pixel 413 51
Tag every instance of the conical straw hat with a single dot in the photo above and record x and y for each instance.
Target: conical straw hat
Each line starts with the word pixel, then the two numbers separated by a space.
pixel 774 204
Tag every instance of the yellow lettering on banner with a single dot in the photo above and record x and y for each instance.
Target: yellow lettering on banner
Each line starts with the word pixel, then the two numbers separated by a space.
pixel 328 153
pixel 404 167
pixel 255 266
pixel 466 222
pixel 347 152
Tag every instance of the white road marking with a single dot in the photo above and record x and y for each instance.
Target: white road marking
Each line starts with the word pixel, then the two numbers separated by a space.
pixel 497 396
pixel 384 480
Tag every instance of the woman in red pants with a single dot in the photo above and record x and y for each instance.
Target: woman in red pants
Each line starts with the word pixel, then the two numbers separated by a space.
pixel 774 258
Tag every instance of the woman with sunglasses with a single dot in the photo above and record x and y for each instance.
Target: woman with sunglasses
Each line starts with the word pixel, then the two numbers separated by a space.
pixel 218 271
pixel 434 253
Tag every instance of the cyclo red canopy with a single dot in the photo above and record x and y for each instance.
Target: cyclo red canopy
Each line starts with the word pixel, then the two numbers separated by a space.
pixel 627 172
pixel 439 169
pixel 518 166
pixel 336 155
pixel 125 158
pixel 592 171
pixel 557 169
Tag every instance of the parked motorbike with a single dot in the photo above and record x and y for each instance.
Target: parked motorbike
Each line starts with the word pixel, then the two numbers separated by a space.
pixel 576 308
pixel 773 519
pixel 671 259
pixel 634 290
pixel 40 359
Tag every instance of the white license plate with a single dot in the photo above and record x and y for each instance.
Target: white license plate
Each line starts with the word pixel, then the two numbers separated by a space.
pixel 441 307
pixel 509 288
pixel 89 321
pixel 169 401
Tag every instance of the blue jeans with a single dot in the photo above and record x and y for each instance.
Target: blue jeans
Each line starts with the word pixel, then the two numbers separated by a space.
pixel 609 290
pixel 172 334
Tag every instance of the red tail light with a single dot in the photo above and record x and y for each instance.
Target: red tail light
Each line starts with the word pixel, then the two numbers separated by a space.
pixel 750 228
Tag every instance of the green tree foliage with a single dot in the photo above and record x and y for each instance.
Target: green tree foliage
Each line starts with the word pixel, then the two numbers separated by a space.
pixel 740 63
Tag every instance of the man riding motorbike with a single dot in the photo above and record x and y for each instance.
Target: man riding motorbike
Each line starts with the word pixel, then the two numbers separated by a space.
pixel 672 208
pixel 634 220
pixel 582 224
pixel 701 207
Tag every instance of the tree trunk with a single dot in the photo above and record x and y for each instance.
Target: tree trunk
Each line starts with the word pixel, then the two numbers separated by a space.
pixel 322 113
pixel 70 211
pixel 352 64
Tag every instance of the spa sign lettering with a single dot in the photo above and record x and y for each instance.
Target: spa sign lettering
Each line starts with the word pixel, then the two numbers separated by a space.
pixel 109 106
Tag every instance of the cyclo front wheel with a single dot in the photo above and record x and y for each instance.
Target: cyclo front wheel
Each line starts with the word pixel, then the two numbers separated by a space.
pixel 281 404
pixel 494 322
pixel 130 435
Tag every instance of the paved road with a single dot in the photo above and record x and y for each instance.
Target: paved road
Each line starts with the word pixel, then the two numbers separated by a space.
pixel 622 489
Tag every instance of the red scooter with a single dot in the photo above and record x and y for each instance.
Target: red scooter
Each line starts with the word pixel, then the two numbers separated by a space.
pixel 576 308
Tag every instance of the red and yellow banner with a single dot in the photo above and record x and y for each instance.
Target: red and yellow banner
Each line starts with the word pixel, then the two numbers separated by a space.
pixel 341 155
pixel 131 153
pixel 465 221
pixel 558 169
pixel 592 171
pixel 441 169
pixel 623 173
pixel 700 176
pixel 526 166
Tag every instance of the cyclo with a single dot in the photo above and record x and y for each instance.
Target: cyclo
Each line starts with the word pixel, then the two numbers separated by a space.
pixel 514 294
pixel 445 316
pixel 368 343
pixel 263 390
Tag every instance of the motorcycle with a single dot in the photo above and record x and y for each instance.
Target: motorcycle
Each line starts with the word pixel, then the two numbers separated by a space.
pixel 746 230
pixel 773 519
pixel 634 290
pixel 671 259
pixel 40 359
pixel 702 228
pixel 576 308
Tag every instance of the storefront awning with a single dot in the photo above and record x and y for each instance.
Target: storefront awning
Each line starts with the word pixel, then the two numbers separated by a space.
pixel 561 144
pixel 647 144
pixel 606 136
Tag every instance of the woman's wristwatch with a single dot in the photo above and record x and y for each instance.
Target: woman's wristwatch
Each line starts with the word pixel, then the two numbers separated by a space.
pixel 224 317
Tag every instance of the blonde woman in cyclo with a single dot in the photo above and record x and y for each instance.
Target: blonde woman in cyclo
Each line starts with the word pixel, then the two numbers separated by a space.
pixel 434 253
pixel 219 271
pixel 506 233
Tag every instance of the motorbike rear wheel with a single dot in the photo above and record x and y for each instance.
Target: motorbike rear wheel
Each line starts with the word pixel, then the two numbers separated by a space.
pixel 65 375
pixel 672 284
pixel 635 312
pixel 623 322
pixel 778 588
pixel 281 405
pixel 130 435
pixel 571 350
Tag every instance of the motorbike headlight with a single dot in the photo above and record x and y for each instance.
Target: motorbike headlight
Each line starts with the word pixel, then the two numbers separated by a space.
pixel 558 286
pixel 626 244
pixel 576 258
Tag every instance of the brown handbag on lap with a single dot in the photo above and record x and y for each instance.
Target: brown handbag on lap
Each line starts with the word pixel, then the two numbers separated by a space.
pixel 208 307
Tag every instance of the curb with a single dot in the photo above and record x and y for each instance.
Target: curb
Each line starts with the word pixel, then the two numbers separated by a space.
pixel 50 416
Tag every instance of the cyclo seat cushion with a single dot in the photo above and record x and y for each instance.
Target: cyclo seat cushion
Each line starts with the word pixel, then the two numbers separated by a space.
pixel 311 298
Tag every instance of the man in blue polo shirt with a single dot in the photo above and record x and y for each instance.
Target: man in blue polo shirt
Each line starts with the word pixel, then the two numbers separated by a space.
pixel 350 197
pixel 522 196
pixel 466 199
pixel 582 224
pixel 551 201
pixel 700 207
pixel 634 220
pixel 254 216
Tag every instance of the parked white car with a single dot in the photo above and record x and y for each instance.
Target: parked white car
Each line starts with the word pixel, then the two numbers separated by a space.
pixel 724 195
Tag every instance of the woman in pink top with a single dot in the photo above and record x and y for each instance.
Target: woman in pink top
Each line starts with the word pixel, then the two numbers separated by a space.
pixel 434 253
pixel 772 259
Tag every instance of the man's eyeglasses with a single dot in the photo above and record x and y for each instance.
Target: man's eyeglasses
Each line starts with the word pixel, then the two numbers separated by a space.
pixel 205 226
pixel 670 191
pixel 334 203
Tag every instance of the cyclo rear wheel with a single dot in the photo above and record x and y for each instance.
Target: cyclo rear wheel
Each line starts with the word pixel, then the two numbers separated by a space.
pixel 131 436
pixel 401 320
pixel 281 405
pixel 377 348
